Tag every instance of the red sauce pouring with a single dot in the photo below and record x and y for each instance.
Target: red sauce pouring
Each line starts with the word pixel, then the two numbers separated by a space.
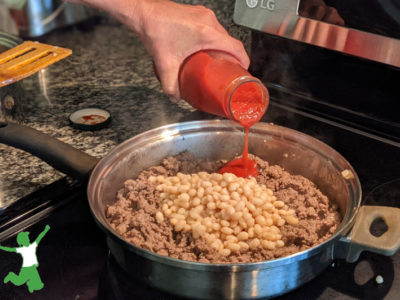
pixel 243 166
pixel 214 82
pixel 248 107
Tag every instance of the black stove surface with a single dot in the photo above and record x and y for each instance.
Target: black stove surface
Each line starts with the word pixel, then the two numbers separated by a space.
pixel 75 263
pixel 340 280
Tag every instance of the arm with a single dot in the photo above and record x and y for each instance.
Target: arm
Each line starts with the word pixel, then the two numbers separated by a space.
pixel 171 32
pixel 42 234
pixel 8 249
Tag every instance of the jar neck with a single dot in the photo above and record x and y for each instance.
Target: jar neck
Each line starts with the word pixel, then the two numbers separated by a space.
pixel 260 102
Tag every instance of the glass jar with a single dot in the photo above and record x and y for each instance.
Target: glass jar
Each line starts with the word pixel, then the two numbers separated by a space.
pixel 214 82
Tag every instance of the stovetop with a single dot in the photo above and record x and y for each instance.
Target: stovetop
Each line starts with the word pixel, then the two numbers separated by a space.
pixel 339 281
pixel 75 263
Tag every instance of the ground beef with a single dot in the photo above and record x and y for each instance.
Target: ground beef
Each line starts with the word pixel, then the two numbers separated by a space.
pixel 133 214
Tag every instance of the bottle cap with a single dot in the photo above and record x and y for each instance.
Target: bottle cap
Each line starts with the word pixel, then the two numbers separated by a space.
pixel 90 118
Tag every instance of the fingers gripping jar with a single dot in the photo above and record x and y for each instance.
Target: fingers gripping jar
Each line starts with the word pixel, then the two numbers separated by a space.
pixel 214 82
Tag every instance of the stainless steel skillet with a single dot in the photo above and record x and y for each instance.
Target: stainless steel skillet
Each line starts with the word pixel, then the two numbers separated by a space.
pixel 304 155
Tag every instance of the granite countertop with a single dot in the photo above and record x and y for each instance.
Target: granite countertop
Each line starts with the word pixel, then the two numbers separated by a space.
pixel 110 69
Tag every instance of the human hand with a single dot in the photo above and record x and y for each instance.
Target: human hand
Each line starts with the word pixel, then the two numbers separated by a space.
pixel 171 32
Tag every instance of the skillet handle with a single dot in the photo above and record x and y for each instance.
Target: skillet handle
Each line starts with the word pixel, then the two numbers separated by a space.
pixel 59 155
pixel 360 238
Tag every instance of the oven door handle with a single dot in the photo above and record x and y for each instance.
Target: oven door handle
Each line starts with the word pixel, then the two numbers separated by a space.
pixel 282 18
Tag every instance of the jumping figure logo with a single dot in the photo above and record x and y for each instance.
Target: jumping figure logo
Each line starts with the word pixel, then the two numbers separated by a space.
pixel 29 273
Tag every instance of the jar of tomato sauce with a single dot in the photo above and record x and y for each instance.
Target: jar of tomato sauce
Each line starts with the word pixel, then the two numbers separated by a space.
pixel 214 82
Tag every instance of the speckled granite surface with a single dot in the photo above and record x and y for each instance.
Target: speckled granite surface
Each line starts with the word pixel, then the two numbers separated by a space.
pixel 110 69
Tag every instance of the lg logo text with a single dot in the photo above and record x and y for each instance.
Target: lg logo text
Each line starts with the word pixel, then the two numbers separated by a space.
pixel 266 4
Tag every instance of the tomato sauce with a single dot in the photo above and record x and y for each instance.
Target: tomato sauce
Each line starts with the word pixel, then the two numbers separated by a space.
pixel 204 80
pixel 243 166
pixel 91 119
pixel 247 104
pixel 214 82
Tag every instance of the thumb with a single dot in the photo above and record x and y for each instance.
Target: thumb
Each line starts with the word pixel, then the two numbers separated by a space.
pixel 168 74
